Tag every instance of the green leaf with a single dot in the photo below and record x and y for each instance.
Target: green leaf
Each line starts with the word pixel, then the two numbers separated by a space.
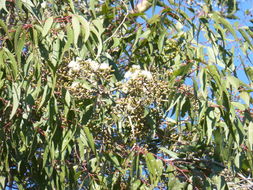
pixel 90 139
pixel 85 27
pixel 182 70
pixel 249 72
pixel 92 7
pixel 17 36
pixel 76 28
pixel 4 27
pixel 250 135
pixel 211 121
pixel 235 82
pixel 225 23
pixel 98 29
pixel 3 5
pixel 66 139
pixel 44 96
pixel 67 98
pixel 136 184
pixel 169 152
pixel 71 4
pixel 70 39
pixel 239 105
pixel 114 159
pixel 28 2
pixel 245 36
pixel 16 90
pixel 161 41
pixel 20 46
pixel 47 26
pixel 2 181
pixel 246 97
pixel 13 62
pixel 150 161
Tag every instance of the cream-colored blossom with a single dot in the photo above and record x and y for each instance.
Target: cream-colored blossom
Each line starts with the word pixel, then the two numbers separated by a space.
pixel 79 59
pixel 104 66
pixel 93 64
pixel 131 75
pixel 147 74
pixel 133 72
pixel 74 66
pixel 136 72
pixel 75 84
pixel 128 75
pixel 136 67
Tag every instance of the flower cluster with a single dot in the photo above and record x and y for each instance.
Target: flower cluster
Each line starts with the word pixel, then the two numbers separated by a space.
pixel 141 91
pixel 81 77
pixel 136 72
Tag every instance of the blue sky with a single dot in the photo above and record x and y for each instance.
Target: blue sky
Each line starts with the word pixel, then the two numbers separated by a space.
pixel 244 20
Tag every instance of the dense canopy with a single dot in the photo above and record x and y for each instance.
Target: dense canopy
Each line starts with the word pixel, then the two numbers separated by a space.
pixel 124 94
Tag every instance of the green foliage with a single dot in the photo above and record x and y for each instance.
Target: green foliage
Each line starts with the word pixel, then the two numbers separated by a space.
pixel 96 96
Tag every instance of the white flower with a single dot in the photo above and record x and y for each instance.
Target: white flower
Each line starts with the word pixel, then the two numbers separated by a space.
pixel 74 65
pixel 136 67
pixel 128 75
pixel 147 74
pixel 75 84
pixel 79 59
pixel 104 66
pixel 93 64
pixel 131 75
pixel 135 74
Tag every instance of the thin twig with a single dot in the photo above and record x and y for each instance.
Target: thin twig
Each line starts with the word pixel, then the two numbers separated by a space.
pixel 246 179
pixel 120 23
pixel 194 159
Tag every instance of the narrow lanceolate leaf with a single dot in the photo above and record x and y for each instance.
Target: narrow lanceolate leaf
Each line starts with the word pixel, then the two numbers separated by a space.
pixel 246 37
pixel 250 135
pixel 2 181
pixel 67 98
pixel 249 72
pixel 3 5
pixel 210 122
pixel 150 160
pixel 71 4
pixel 4 27
pixel 44 96
pixel 92 6
pixel 16 90
pixel 90 139
pixel 20 47
pixel 161 41
pixel 70 40
pixel 28 2
pixel 47 26
pixel 169 152
pixel 85 28
pixel 13 63
pixel 225 23
pixel 76 28
pixel 17 37
pixel 66 139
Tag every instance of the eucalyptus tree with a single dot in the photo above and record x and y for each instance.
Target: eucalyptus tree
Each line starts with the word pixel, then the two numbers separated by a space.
pixel 113 95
